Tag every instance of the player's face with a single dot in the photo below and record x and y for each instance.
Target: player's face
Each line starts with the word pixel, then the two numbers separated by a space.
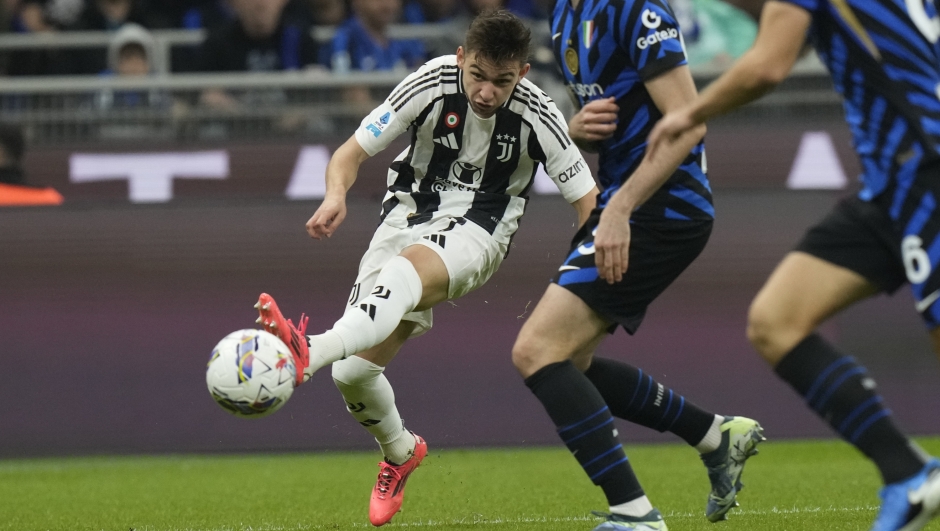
pixel 488 85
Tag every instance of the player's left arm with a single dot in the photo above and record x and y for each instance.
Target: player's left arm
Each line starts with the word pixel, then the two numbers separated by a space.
pixel 780 39
pixel 669 91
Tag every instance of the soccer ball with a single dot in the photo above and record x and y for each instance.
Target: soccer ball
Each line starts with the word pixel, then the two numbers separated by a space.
pixel 251 373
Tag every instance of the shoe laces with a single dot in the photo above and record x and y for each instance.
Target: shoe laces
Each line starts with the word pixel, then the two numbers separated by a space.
pixel 388 475
pixel 301 327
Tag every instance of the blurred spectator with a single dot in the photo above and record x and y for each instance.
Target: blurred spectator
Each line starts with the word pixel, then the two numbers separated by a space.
pixel 260 39
pixel 320 12
pixel 194 15
pixel 715 33
pixel 38 16
pixel 433 11
pixel 131 53
pixel 362 43
pixel 110 15
pixel 13 188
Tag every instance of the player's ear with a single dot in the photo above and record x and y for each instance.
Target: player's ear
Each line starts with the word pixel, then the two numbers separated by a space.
pixel 524 70
pixel 460 57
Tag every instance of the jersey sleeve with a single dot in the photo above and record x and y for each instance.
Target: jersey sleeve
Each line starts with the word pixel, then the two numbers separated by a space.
pixel 563 161
pixel 393 117
pixel 653 40
pixel 809 5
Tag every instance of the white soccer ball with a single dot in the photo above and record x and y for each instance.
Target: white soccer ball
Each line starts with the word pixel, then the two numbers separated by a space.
pixel 251 373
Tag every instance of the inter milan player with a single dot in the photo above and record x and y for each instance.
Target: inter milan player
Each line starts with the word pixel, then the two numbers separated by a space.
pixel 455 195
pixel 884 59
pixel 625 63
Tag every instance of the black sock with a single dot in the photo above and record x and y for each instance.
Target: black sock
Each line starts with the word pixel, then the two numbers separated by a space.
pixel 635 396
pixel 840 391
pixel 586 426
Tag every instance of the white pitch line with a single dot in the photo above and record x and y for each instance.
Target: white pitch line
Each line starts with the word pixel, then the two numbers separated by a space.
pixel 479 520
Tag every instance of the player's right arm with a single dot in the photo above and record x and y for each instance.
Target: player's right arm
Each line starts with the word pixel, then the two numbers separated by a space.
pixel 341 173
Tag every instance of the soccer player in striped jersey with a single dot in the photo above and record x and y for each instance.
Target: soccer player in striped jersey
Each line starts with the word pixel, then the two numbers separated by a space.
pixel 884 58
pixel 478 132
pixel 625 64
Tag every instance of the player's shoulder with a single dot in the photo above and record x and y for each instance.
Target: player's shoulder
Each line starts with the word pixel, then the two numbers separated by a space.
pixel 435 77
pixel 528 97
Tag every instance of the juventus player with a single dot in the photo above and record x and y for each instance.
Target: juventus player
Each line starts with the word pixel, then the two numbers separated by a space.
pixel 624 62
pixel 884 59
pixel 478 130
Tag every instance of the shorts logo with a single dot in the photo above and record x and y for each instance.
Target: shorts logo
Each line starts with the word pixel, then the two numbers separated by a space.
pixel 506 147
pixel 452 120
pixel 439 239
pixel 650 19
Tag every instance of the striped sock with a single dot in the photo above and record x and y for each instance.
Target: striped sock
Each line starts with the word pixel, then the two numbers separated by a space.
pixel 587 428
pixel 842 393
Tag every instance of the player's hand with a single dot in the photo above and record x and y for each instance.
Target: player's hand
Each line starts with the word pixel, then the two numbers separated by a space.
pixel 327 218
pixel 595 121
pixel 612 245
pixel 667 130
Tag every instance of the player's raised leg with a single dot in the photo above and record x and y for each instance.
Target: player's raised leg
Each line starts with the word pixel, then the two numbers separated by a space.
pixel 800 294
pixel 561 326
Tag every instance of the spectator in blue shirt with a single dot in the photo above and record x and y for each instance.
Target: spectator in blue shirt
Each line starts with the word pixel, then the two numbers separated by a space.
pixel 362 42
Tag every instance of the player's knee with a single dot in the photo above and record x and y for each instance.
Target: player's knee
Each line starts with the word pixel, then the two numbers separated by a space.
pixel 770 330
pixel 354 372
pixel 527 356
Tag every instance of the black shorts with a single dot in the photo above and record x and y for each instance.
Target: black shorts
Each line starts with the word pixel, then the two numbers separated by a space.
pixel 860 236
pixel 659 252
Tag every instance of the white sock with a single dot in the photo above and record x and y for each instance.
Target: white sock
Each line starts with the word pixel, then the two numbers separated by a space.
pixel 712 439
pixel 397 291
pixel 638 507
pixel 371 401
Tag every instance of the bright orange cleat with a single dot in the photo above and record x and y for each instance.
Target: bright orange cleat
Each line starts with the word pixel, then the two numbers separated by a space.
pixel 389 490
pixel 294 337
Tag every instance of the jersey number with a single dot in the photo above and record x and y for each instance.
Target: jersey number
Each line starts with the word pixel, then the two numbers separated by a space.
pixel 916 259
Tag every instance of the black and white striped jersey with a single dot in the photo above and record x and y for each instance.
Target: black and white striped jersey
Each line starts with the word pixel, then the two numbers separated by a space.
pixel 461 165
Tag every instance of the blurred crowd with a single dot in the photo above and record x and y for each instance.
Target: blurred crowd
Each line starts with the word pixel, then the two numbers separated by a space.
pixel 274 35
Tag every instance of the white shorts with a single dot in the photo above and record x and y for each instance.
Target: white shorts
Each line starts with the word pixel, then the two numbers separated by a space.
pixel 470 254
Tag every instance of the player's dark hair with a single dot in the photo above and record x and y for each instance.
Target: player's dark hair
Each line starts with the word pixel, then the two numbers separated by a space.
pixel 498 37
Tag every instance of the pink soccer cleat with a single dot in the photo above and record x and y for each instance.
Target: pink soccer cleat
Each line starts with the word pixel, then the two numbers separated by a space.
pixel 389 490
pixel 294 337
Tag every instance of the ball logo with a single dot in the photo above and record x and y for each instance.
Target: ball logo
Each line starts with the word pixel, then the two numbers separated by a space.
pixel 452 120
pixel 650 19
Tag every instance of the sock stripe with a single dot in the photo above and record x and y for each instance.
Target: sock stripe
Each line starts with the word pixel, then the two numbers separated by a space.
pixel 639 382
pixel 576 424
pixel 835 386
pixel 810 395
pixel 608 452
pixel 858 411
pixel 875 417
pixel 649 389
pixel 679 414
pixel 592 430
pixel 608 467
pixel 665 413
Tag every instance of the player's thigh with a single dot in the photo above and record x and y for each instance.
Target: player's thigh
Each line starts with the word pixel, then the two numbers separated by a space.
pixel 387 242
pixel 470 255
pixel 561 327
pixel 802 292
pixel 435 279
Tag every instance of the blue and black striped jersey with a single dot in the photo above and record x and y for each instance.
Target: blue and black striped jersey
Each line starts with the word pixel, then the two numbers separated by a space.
pixel 885 61
pixel 609 48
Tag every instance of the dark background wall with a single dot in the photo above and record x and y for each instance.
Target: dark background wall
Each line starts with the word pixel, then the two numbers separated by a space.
pixel 108 312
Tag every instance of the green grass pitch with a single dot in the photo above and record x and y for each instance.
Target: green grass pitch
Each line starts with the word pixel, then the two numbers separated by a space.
pixel 791 486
